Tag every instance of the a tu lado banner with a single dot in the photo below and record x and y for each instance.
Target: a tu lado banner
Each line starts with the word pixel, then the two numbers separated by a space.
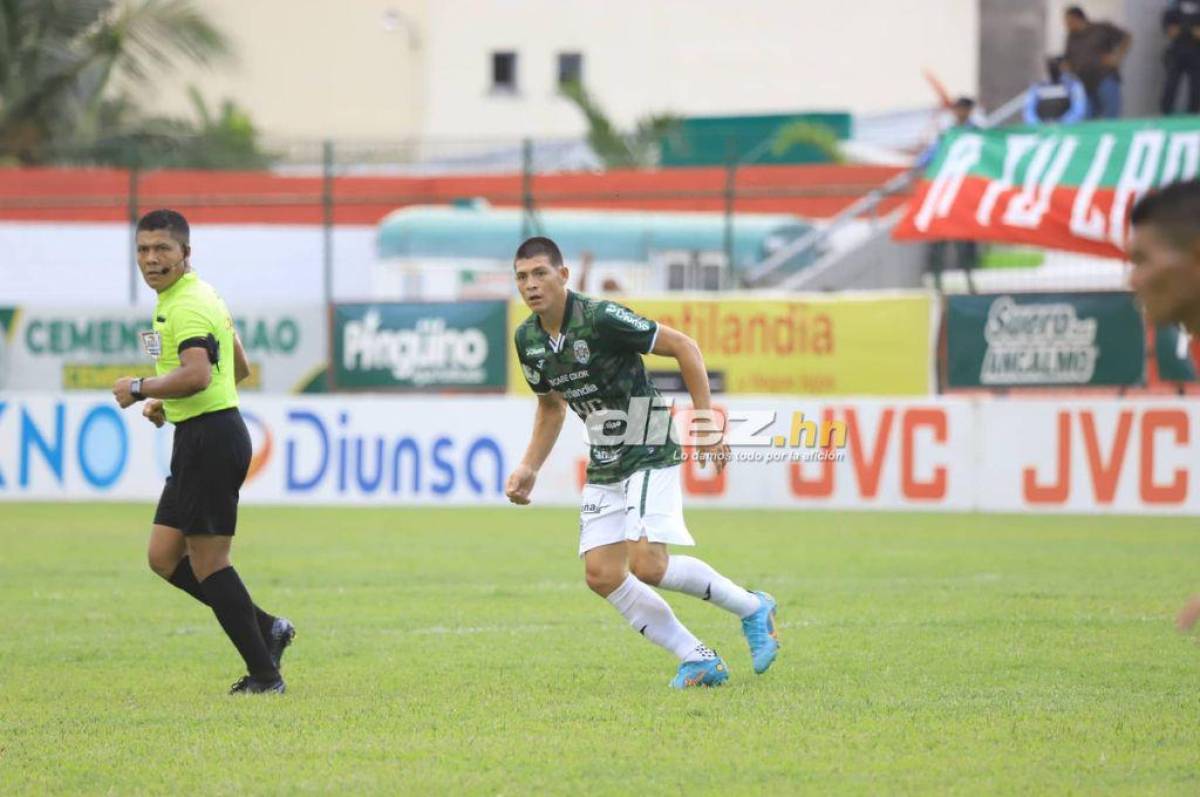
pixel 1063 186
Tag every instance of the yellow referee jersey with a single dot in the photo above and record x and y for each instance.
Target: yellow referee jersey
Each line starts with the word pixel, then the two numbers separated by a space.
pixel 190 313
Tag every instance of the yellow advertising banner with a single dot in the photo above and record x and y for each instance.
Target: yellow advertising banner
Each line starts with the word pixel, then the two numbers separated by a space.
pixel 860 345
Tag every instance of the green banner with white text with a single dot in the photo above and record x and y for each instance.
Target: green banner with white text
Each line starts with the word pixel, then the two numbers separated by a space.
pixel 1059 186
pixel 433 346
pixel 1044 340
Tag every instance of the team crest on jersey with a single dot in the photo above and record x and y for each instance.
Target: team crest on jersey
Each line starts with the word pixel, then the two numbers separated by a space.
pixel 582 352
pixel 152 343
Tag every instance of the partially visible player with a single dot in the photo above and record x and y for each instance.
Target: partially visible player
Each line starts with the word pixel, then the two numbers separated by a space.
pixel 587 354
pixel 198 361
pixel 1164 247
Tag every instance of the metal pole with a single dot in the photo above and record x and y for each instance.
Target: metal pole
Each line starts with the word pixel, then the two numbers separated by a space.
pixel 528 223
pixel 730 193
pixel 327 218
pixel 132 200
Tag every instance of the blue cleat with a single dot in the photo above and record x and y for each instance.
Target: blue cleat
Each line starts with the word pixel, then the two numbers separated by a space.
pixel 759 629
pixel 707 672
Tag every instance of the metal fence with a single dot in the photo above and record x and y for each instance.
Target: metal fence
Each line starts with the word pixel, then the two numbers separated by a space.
pixel 331 183
pixel 326 184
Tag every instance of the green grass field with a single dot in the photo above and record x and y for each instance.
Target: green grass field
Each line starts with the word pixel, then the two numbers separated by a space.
pixel 458 651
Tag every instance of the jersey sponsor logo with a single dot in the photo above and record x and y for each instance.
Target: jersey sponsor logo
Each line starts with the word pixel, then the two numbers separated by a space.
pixel 535 351
pixel 571 377
pixel 531 374
pixel 579 392
pixel 152 343
pixel 622 314
pixel 582 352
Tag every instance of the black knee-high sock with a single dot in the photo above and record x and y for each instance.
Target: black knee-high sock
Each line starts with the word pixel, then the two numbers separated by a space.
pixel 231 604
pixel 185 578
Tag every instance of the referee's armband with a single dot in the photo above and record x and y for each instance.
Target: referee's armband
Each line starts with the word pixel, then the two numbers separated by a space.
pixel 208 343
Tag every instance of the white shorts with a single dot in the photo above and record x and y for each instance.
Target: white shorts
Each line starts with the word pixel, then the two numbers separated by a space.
pixel 648 504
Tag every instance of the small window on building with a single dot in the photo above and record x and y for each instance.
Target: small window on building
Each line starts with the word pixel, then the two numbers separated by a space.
pixel 504 71
pixel 676 276
pixel 570 68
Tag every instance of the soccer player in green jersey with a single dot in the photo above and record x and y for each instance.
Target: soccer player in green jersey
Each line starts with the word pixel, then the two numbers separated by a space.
pixel 586 354
pixel 1164 247
pixel 198 361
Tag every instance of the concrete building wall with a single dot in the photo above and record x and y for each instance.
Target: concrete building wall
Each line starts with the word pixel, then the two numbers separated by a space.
pixel 373 69
pixel 316 68
pixel 1012 52
pixel 691 57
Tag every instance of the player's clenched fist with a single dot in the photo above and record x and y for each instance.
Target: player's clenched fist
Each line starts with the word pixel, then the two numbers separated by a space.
pixel 153 410
pixel 123 391
pixel 520 484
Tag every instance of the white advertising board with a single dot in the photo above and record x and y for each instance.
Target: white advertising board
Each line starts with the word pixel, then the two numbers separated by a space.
pixel 937 454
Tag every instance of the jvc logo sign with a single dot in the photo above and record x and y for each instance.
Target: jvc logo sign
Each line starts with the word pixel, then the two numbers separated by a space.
pixel 1154 432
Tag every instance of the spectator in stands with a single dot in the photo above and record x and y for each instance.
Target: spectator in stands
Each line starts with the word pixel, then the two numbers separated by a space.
pixel 962 108
pixel 1095 51
pixel 1181 24
pixel 1062 99
pixel 607 285
pixel 965 253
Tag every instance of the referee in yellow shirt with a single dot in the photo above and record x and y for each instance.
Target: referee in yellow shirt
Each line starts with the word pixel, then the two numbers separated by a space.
pixel 198 361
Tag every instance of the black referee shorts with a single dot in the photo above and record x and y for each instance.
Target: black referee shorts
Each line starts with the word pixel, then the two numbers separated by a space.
pixel 208 466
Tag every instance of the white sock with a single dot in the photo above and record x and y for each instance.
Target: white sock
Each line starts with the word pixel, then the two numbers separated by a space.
pixel 648 613
pixel 691 576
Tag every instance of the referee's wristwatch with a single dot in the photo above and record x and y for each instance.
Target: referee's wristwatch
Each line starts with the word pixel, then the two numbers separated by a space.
pixel 135 389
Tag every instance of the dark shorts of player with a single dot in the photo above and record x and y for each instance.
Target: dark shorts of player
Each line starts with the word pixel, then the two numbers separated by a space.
pixel 209 462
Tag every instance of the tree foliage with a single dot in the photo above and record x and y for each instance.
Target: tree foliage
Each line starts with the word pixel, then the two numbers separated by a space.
pixel 809 134
pixel 71 72
pixel 639 149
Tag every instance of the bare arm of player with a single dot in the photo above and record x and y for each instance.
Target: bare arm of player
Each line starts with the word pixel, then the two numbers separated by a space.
pixel 241 365
pixel 193 375
pixel 547 423
pixel 673 343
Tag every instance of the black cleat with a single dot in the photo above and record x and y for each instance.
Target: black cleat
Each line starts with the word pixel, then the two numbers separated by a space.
pixel 249 685
pixel 282 634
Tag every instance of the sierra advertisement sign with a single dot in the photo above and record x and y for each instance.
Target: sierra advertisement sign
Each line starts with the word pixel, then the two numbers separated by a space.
pixel 431 346
pixel 1064 187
